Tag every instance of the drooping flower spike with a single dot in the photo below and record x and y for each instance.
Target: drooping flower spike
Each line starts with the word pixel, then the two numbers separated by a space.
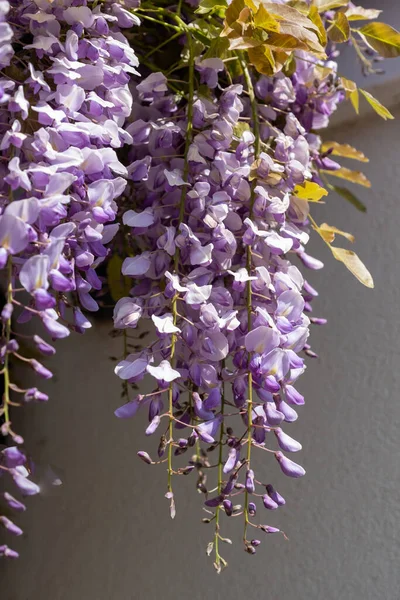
pixel 64 95
pixel 191 148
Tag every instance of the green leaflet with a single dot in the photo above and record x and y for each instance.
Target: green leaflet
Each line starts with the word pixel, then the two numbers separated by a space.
pixel 350 197
pixel 382 38
pixel 118 284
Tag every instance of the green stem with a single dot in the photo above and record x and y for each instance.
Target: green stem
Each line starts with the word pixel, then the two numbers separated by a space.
pixel 220 476
pixel 364 60
pixel 153 20
pixel 257 147
pixel 6 397
pixel 189 130
pixel 125 385
pixel 164 43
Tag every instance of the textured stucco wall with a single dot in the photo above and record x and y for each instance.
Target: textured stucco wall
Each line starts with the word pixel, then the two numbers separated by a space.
pixel 106 535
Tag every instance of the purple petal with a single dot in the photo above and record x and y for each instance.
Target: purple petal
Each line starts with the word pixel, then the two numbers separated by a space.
pixel 288 467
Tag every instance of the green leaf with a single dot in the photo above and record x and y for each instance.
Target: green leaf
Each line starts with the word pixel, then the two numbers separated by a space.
pixel 340 29
pixel 350 197
pixel 381 110
pixel 201 37
pixel 310 191
pixel 218 48
pixel 354 264
pixel 349 175
pixel 382 38
pixel 207 6
pixel 118 284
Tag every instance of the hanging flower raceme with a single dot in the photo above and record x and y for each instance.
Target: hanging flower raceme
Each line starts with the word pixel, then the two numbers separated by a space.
pixel 208 205
pixel 216 224
pixel 65 97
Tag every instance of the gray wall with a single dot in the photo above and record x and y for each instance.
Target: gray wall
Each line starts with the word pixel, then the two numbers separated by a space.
pixel 106 534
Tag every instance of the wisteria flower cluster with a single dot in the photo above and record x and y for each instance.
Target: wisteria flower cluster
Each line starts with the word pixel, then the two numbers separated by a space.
pixel 64 100
pixel 189 145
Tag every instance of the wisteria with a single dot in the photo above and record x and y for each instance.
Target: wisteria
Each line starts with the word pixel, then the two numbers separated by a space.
pixel 63 107
pixel 191 146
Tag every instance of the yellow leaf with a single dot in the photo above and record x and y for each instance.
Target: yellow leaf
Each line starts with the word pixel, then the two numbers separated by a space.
pixel 252 5
pixel 290 65
pixel 299 5
pixel 355 100
pixel 303 34
pixel 262 59
pixel 382 38
pixel 351 92
pixel 118 284
pixel 233 11
pixel 289 15
pixel 330 231
pixel 381 110
pixel 354 264
pixel 243 43
pixel 358 13
pixel 265 20
pixel 324 5
pixel 340 29
pixel 353 176
pixel 285 41
pixel 321 72
pixel 348 85
pixel 310 191
pixel 344 150
pixel 316 19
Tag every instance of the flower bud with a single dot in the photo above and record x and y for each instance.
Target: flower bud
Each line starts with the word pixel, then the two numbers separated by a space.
pixel 10 526
pixel 26 487
pixel 276 497
pixel 7 552
pixel 43 346
pixel 288 467
pixel 252 508
pixel 145 457
pixel 228 507
pixel 250 487
pixel 269 503
pixel 14 503
pixel 269 529
pixel 12 457
pixel 40 369
pixel 7 312
pixel 33 394
pixel 286 442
